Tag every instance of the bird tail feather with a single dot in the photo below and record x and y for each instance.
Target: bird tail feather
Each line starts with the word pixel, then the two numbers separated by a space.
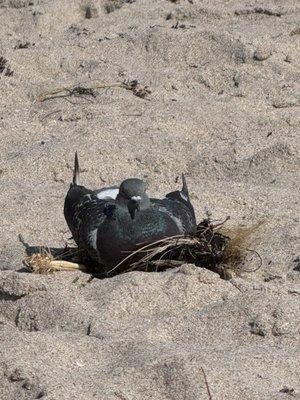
pixel 184 186
pixel 76 170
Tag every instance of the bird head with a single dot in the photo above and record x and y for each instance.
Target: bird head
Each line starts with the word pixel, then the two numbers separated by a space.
pixel 132 194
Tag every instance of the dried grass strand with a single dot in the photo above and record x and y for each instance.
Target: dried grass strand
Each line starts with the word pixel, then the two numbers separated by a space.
pixel 153 251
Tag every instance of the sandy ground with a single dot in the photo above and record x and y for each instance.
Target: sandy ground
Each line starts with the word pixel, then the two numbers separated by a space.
pixel 223 108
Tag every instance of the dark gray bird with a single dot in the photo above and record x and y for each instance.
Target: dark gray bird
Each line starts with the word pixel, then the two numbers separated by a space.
pixel 112 222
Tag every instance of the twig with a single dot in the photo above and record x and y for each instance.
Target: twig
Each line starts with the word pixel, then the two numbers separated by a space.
pixel 222 222
pixel 206 384
pixel 49 114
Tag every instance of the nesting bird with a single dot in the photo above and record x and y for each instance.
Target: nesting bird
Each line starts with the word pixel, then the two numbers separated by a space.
pixel 112 222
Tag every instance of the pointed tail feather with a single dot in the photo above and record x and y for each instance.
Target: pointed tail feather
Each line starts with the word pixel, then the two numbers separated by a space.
pixel 76 170
pixel 184 186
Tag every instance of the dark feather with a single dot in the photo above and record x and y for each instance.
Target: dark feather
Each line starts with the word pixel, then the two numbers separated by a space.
pixel 178 203
pixel 76 170
pixel 184 186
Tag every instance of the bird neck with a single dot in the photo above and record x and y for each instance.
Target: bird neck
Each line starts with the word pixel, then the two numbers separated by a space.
pixel 145 203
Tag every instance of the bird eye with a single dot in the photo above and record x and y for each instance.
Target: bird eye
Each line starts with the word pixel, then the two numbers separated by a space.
pixel 123 193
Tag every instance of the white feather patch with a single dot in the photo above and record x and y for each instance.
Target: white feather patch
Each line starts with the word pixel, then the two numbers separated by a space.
pixel 183 196
pixel 92 239
pixel 136 198
pixel 108 194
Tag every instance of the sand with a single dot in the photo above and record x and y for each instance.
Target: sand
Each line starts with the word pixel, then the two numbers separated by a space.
pixel 224 109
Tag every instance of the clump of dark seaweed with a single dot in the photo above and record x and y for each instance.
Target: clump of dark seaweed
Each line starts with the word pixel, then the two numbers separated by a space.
pixel 209 247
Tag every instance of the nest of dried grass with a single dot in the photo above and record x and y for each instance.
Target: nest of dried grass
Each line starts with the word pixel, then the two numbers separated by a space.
pixel 212 246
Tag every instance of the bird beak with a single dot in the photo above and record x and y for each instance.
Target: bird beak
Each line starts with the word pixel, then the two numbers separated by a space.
pixel 134 205
pixel 136 198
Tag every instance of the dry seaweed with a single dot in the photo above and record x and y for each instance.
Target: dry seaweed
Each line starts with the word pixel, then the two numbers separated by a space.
pixel 204 249
pixel 134 86
pixel 5 68
pixel 212 246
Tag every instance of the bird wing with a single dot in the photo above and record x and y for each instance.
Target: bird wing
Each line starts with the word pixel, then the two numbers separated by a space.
pixel 73 200
pixel 178 211
pixel 178 206
pixel 87 215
